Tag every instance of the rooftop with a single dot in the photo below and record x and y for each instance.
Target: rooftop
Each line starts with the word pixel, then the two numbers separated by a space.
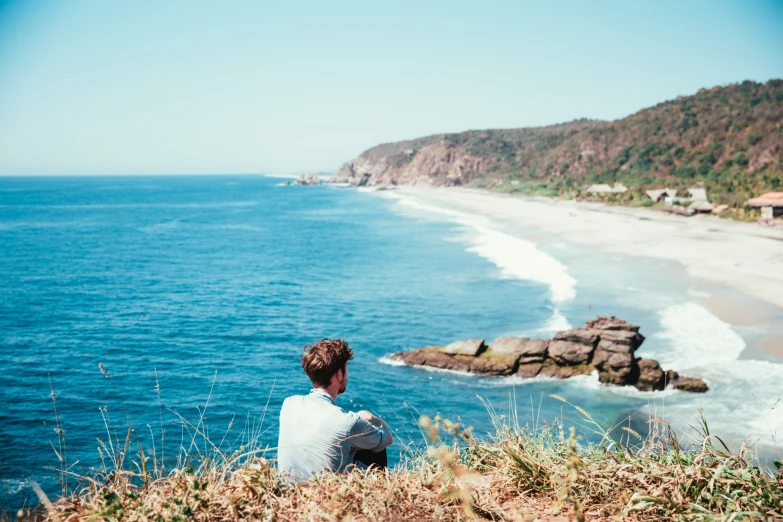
pixel 770 199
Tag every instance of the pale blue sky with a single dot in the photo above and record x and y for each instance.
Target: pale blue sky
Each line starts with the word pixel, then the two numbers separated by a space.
pixel 98 87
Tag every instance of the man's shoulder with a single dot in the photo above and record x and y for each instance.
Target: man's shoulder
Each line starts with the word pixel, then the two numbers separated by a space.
pixel 307 402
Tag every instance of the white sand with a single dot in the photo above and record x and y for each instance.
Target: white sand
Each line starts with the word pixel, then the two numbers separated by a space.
pixel 743 256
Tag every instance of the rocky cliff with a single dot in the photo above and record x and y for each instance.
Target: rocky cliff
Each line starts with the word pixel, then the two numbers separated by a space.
pixel 606 345
pixel 730 138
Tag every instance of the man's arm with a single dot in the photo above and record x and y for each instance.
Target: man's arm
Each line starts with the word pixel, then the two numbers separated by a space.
pixel 366 435
pixel 376 421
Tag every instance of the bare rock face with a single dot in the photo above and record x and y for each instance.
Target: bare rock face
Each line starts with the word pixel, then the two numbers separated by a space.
pixel 489 364
pixel 528 370
pixel 568 353
pixel 614 354
pixel 434 357
pixel 606 345
pixel 528 350
pixel 689 384
pixel 610 323
pixel 651 376
pixel 584 336
pixel 613 368
pixel 550 368
pixel 471 347
pixel 307 179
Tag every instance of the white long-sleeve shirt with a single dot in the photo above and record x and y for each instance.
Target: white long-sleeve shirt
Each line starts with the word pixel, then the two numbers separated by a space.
pixel 317 435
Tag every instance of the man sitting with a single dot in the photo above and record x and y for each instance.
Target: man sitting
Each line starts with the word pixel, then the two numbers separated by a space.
pixel 317 435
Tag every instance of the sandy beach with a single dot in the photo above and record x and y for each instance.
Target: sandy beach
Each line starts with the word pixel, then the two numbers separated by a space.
pixel 745 257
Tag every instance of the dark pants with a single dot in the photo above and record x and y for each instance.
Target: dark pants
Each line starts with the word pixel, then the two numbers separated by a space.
pixel 371 459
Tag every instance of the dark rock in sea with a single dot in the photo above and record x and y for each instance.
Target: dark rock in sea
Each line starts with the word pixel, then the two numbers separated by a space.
pixel 689 384
pixel 489 364
pixel 606 345
pixel 650 375
pixel 528 350
pixel 570 353
pixel 528 370
pixel 610 323
pixel 471 347
pixel 307 179
pixel 551 368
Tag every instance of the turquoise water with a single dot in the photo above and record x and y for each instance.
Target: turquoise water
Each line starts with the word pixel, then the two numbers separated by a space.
pixel 216 283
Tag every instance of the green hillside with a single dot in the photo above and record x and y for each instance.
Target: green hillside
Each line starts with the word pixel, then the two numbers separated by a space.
pixel 730 138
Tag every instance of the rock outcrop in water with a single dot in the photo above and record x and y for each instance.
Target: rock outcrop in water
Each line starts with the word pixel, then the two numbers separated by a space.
pixel 606 345
pixel 307 179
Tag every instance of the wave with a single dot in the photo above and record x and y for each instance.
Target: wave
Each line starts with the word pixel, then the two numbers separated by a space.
pixel 14 486
pixel 696 337
pixel 745 397
pixel 516 258
pixel 391 361
pixel 556 323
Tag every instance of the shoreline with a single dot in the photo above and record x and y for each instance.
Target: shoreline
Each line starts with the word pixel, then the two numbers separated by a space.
pixel 708 324
pixel 741 256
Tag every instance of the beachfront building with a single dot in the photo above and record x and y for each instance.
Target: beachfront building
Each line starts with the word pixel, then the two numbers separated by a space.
pixel 696 194
pixel 771 204
pixel 700 207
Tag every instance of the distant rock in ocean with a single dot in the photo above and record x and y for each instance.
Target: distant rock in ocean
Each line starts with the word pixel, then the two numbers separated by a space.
pixel 307 179
pixel 606 345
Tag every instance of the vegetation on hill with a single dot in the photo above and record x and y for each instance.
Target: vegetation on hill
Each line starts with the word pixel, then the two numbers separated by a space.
pixel 520 473
pixel 728 138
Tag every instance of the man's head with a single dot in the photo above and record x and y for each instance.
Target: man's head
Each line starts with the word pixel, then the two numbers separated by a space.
pixel 326 363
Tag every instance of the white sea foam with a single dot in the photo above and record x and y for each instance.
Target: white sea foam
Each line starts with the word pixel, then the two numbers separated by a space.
pixel 391 361
pixel 14 486
pixel 696 338
pixel 516 258
pixel 556 323
pixel 745 397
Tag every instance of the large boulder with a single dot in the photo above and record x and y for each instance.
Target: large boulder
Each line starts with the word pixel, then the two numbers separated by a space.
pixel 492 364
pixel 650 375
pixel 471 347
pixel 307 179
pixel 528 370
pixel 689 384
pixel 610 323
pixel 578 335
pixel 622 337
pixel 434 357
pixel 526 350
pixel 613 367
pixel 570 353
pixel 614 354
pixel 551 369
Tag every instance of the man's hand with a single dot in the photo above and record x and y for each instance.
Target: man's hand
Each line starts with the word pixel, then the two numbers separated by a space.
pixel 376 421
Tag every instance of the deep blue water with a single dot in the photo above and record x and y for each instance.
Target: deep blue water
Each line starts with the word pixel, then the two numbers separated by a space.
pixel 224 279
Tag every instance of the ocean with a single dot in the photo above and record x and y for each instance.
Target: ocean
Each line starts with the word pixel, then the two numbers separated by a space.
pixel 159 299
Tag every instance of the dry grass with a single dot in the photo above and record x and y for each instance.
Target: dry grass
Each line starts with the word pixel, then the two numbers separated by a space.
pixel 519 473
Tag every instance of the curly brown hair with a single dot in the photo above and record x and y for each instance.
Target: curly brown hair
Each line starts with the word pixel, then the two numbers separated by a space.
pixel 322 360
